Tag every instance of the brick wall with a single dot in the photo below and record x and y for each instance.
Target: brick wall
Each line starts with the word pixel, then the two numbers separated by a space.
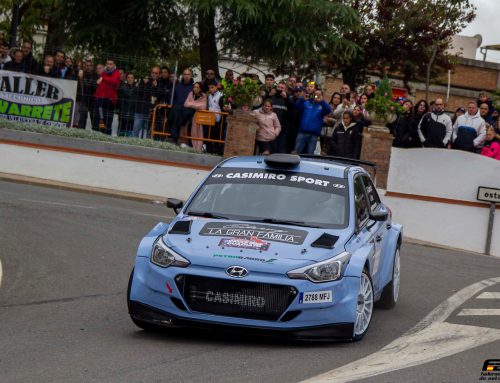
pixel 453 103
pixel 473 77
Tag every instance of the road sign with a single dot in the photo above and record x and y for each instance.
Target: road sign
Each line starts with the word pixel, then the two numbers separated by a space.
pixel 492 196
pixel 488 194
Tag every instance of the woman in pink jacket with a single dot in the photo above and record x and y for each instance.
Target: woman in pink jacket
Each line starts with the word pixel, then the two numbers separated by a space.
pixel 269 127
pixel 196 100
pixel 491 146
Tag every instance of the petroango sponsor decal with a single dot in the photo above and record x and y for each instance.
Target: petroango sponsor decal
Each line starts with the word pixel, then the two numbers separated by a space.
pixel 37 99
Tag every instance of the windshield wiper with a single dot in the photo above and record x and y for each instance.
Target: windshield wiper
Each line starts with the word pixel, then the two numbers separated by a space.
pixel 284 222
pixel 206 214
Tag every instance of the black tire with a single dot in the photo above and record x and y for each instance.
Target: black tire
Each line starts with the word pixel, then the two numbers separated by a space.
pixel 390 294
pixel 364 308
pixel 146 326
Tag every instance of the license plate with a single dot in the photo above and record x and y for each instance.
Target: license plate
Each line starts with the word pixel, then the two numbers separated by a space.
pixel 316 297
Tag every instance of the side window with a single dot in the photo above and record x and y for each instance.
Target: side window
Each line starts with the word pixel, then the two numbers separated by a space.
pixel 360 203
pixel 372 194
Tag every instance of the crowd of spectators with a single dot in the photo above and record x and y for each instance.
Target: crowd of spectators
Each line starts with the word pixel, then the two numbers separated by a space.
pixel 292 114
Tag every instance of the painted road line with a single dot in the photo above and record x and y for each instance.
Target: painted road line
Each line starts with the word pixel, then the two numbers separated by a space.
pixel 465 312
pixel 1 273
pixel 429 340
pixel 489 295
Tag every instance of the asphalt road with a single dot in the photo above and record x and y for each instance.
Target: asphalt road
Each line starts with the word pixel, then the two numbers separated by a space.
pixel 66 258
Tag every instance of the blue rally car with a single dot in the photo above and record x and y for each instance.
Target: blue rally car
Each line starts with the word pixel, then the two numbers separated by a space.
pixel 299 246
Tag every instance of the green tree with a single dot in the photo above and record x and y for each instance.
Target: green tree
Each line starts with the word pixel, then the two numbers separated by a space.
pixel 292 36
pixel 409 37
pixel 286 34
pixel 153 28
pixel 22 18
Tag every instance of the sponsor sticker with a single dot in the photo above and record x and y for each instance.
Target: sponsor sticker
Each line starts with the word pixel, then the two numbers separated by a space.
pixel 252 243
pixel 256 231
pixel 316 297
pixel 293 179
pixel 235 299
pixel 257 259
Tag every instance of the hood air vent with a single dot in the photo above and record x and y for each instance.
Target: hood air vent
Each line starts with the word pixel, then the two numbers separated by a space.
pixel 181 227
pixel 325 241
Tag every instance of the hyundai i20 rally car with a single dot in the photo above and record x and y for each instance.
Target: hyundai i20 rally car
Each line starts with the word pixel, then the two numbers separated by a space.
pixel 291 245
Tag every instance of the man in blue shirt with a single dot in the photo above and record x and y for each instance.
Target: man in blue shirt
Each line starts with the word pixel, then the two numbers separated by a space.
pixel 313 111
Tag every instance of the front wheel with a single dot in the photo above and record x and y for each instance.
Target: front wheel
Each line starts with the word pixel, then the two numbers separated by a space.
pixel 364 308
pixel 390 294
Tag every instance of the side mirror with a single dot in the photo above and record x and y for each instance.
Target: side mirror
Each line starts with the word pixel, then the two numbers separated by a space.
pixel 379 215
pixel 174 203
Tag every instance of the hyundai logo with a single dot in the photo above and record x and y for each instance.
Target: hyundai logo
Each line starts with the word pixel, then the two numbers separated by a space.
pixel 236 271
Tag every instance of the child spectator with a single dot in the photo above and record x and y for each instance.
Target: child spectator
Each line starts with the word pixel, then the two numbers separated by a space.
pixel 218 131
pixel 491 146
pixel 269 128
pixel 346 139
pixel 196 100
pixel 484 99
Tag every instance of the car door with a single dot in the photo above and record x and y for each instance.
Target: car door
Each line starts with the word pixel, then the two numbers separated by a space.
pixel 363 234
pixel 378 230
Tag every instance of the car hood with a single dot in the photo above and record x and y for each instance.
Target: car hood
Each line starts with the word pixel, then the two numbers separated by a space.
pixel 222 243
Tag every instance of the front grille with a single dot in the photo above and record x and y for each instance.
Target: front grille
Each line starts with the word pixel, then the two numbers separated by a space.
pixel 235 298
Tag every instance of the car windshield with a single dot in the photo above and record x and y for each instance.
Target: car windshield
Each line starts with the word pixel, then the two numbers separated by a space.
pixel 300 199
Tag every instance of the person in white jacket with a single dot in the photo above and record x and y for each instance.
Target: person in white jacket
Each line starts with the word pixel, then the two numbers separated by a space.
pixel 469 130
pixel 435 128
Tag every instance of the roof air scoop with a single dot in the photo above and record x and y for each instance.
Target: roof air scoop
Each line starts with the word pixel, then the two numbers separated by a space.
pixel 279 160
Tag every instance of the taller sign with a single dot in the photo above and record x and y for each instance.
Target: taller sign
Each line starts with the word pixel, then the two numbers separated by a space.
pixel 41 100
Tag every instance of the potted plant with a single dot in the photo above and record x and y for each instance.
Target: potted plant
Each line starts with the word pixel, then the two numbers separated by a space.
pixel 381 108
pixel 242 92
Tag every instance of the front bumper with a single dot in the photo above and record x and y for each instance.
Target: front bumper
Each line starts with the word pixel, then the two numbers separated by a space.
pixel 155 298
pixel 338 331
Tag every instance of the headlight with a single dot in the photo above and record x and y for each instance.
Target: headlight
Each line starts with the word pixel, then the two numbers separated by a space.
pixel 329 270
pixel 163 256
